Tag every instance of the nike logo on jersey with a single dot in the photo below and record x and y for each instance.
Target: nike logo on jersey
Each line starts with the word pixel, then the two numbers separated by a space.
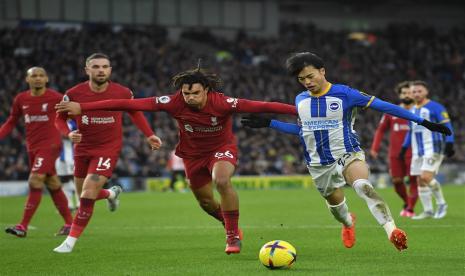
pixel 25 106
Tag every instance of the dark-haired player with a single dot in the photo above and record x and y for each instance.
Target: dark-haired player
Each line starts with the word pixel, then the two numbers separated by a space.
pixel 332 150
pixel 398 168
pixel 43 147
pixel 207 144
pixel 98 142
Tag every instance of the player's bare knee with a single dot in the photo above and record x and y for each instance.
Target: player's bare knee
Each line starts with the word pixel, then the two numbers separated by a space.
pixel 36 181
pixel 222 183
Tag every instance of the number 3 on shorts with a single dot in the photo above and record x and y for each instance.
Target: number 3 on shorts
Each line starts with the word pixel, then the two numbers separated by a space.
pixel 227 154
pixel 103 165
pixel 38 163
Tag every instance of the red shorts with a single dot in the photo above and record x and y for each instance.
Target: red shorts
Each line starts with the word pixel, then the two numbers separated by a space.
pixel 398 167
pixel 101 165
pixel 42 161
pixel 199 170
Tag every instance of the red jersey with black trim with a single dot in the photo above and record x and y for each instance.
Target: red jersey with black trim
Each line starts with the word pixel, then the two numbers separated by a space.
pixel 39 119
pixel 101 130
pixel 398 129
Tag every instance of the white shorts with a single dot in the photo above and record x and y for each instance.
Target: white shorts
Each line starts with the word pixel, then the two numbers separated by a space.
pixel 426 163
pixel 65 163
pixel 329 177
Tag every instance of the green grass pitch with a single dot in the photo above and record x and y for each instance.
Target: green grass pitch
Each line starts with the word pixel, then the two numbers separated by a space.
pixel 168 234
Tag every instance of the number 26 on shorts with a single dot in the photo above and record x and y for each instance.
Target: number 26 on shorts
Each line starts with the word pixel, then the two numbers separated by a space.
pixel 226 154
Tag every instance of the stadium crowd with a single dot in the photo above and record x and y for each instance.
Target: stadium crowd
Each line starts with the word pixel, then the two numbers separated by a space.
pixel 144 59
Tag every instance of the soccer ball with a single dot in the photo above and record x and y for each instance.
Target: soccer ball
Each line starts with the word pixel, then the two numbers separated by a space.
pixel 277 254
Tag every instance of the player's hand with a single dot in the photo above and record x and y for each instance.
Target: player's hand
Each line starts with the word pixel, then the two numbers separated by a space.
pixel 436 127
pixel 254 121
pixel 449 150
pixel 402 152
pixel 75 136
pixel 72 108
pixel 154 142
pixel 373 154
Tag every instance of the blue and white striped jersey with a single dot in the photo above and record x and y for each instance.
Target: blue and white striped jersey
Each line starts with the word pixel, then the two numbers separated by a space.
pixel 327 121
pixel 425 142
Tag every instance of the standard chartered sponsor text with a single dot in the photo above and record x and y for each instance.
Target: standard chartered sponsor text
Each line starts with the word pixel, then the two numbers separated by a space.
pixel 102 120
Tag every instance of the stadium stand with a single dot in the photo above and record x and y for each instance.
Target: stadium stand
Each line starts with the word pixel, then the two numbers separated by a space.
pixel 145 60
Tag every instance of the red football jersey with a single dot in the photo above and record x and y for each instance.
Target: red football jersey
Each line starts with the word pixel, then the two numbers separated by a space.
pixel 398 128
pixel 101 130
pixel 39 118
pixel 206 130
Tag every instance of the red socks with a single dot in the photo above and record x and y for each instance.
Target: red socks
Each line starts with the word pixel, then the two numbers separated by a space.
pixel 33 201
pixel 413 196
pixel 103 194
pixel 82 217
pixel 401 190
pixel 61 203
pixel 231 221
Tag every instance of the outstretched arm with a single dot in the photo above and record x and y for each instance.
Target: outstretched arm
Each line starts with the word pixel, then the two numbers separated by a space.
pixel 395 110
pixel 248 106
pixel 288 128
pixel 74 108
pixel 260 122
pixel 398 111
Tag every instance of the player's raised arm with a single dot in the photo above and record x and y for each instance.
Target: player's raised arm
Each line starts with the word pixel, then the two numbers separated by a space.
pixel 142 104
pixel 249 106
